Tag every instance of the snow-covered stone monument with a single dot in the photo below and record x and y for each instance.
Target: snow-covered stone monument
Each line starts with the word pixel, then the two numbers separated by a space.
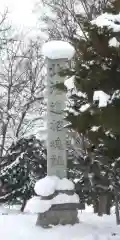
pixel 57 54
pixel 57 202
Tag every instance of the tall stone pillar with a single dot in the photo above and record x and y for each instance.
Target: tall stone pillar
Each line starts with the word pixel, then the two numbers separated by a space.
pixel 57 54
pixel 56 133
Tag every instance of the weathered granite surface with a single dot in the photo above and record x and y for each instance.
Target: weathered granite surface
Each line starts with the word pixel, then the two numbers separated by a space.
pixel 58 214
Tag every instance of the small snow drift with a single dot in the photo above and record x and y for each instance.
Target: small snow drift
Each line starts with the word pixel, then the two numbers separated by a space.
pixel 58 50
pixel 36 205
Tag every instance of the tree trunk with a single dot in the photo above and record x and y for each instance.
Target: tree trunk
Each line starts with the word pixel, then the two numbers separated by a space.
pixel 95 206
pixel 4 132
pixel 102 205
pixel 117 207
pixel 108 206
pixel 23 205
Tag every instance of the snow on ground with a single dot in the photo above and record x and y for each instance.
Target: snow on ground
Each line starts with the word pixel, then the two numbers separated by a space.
pixel 19 226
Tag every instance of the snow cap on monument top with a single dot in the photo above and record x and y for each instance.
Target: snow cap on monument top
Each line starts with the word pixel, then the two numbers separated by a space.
pixel 58 50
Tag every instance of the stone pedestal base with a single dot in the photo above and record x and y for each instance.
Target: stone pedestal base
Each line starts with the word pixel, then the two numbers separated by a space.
pixel 58 214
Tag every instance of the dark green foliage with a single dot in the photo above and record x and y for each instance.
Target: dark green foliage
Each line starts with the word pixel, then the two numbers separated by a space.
pixel 26 162
pixel 97 68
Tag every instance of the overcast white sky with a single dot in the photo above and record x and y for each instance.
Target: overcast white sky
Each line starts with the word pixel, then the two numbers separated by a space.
pixel 20 11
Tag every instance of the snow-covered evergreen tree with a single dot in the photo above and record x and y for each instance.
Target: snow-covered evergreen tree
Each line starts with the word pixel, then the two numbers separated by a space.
pixel 95 103
pixel 23 165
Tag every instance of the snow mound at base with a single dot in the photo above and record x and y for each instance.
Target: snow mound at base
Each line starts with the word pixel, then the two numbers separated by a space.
pixel 45 186
pixel 63 198
pixel 64 184
pixel 36 205
pixel 48 185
